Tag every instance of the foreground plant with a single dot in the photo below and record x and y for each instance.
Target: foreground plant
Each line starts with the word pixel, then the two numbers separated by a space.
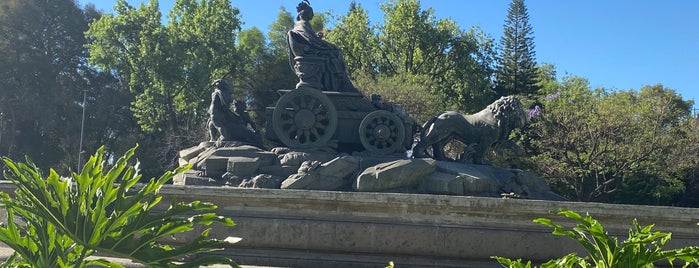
pixel 58 222
pixel 642 248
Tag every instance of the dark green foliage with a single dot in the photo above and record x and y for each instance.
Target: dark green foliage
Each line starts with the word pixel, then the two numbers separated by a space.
pixel 411 91
pixel 43 75
pixel 642 248
pixel 610 146
pixel 168 68
pixel 413 45
pixel 354 34
pixel 67 219
pixel 516 72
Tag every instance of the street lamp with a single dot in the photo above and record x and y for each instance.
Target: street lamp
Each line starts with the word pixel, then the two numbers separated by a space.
pixel 82 131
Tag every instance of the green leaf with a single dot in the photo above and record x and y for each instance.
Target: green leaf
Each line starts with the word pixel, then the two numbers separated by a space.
pixel 67 220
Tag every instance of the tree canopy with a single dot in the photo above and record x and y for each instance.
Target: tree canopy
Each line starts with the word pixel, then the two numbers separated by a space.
pixel 147 80
pixel 516 72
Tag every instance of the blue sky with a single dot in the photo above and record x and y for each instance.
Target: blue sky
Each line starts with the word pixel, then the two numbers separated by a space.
pixel 619 44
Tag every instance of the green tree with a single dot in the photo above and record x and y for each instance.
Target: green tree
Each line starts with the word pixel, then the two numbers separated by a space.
pixel 516 71
pixel 264 66
pixel 43 75
pixel 413 42
pixel 168 68
pixel 355 36
pixel 686 164
pixel 610 146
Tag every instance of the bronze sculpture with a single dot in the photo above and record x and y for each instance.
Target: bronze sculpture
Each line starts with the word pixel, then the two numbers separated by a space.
pixel 477 131
pixel 317 63
pixel 227 125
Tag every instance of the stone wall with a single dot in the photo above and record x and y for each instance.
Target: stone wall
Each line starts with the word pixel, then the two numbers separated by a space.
pixel 299 228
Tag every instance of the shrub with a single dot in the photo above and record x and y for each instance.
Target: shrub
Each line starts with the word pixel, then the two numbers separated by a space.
pixel 642 248
pixel 59 221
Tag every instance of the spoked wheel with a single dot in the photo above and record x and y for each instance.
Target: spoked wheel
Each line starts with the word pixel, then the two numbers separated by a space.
pixel 304 118
pixel 382 132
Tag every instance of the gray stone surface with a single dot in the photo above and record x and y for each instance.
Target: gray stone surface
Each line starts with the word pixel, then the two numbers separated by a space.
pixel 296 158
pixel 395 174
pixel 442 183
pixel 264 181
pixel 243 166
pixel 297 228
pixel 215 166
pixel 331 175
pixel 236 164
pixel 281 171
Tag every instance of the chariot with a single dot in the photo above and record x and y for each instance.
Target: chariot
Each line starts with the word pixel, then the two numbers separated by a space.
pixel 307 118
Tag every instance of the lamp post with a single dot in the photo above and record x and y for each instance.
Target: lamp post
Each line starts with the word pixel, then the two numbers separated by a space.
pixel 82 130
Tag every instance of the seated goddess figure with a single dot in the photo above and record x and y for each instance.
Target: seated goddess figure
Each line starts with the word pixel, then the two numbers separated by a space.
pixel 317 63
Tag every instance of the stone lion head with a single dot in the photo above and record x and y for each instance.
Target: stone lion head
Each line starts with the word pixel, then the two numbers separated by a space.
pixel 508 112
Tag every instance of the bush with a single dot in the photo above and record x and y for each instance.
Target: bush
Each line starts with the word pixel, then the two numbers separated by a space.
pixel 642 248
pixel 59 221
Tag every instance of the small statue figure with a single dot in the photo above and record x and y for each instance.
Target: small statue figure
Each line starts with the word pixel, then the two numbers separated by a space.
pixel 315 61
pixel 478 131
pixel 227 125
pixel 240 110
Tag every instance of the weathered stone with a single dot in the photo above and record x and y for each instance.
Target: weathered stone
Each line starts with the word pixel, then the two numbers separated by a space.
pixel 181 178
pixel 240 150
pixel 328 176
pixel 297 158
pixel 199 161
pixel 243 166
pixel 342 167
pixel 194 177
pixel 396 174
pixel 478 180
pixel 478 171
pixel 442 183
pixel 263 181
pixel 215 166
pixel 193 152
pixel 533 182
pixel 265 158
pixel 280 171
pixel 308 166
pixel 484 180
pixel 201 181
pixel 478 186
pixel 231 180
pixel 293 158
pixel 299 181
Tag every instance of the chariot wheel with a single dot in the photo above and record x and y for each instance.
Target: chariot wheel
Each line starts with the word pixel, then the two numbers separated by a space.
pixel 304 118
pixel 382 132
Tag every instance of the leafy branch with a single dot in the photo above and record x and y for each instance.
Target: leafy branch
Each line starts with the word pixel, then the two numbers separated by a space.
pixel 60 221
pixel 643 247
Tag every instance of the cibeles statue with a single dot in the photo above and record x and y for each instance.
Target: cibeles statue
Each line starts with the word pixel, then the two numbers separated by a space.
pixel 225 124
pixel 317 63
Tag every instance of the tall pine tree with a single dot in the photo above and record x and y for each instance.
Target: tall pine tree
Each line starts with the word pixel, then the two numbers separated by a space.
pixel 516 71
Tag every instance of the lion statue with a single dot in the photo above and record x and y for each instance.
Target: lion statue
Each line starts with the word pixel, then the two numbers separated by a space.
pixel 477 131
